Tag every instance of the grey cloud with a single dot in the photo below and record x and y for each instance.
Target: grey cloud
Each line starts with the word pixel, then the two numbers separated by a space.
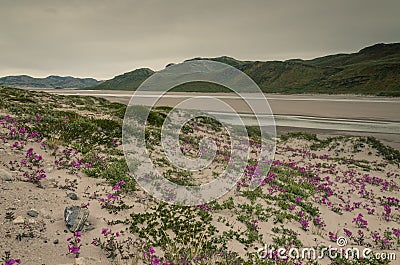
pixel 102 38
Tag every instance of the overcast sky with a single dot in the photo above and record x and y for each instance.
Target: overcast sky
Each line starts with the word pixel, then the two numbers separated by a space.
pixel 103 38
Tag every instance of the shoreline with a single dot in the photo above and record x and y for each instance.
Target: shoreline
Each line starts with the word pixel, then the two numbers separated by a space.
pixel 320 106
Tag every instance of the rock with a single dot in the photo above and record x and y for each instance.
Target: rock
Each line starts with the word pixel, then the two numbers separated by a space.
pixel 72 196
pixel 56 241
pixel 75 217
pixel 32 213
pixel 5 175
pixel 19 220
pixel 31 221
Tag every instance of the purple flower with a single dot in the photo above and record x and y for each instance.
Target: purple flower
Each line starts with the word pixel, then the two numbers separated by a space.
pixel 152 251
pixel 74 245
pixel 73 249
pixel 318 221
pixel 376 237
pixel 361 223
pixel 332 236
pixel 104 231
pixel 347 232
pixel 12 262
pixel 304 223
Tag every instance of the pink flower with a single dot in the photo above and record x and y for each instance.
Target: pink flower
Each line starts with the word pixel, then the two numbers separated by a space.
pixel 347 232
pixel 396 232
pixel 152 251
pixel 332 236
pixel 12 262
pixel 298 199
pixel 73 249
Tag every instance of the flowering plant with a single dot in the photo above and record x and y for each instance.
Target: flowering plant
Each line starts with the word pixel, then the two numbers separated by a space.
pixel 74 244
pixel 8 260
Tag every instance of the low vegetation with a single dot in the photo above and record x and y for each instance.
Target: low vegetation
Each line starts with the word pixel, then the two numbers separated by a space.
pixel 311 182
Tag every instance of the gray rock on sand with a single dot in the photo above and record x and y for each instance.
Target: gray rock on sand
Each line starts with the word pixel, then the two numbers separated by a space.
pixel 32 213
pixel 72 196
pixel 75 217
pixel 5 175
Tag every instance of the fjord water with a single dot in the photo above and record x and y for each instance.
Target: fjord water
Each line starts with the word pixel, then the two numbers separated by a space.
pixel 322 112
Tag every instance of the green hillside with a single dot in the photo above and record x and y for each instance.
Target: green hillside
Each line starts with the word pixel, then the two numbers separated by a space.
pixel 126 81
pixel 374 70
pixel 52 81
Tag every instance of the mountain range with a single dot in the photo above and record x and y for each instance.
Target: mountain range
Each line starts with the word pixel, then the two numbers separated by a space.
pixel 53 81
pixel 374 70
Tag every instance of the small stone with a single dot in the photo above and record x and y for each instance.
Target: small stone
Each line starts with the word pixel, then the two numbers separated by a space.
pixel 56 241
pixel 31 221
pixel 32 213
pixel 72 196
pixel 75 217
pixel 19 220
pixel 5 175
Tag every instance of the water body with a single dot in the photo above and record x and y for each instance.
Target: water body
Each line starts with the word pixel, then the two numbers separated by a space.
pixel 335 113
pixel 355 125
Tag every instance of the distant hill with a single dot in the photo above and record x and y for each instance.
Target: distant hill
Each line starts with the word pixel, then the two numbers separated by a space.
pixel 52 81
pixel 374 70
pixel 127 81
